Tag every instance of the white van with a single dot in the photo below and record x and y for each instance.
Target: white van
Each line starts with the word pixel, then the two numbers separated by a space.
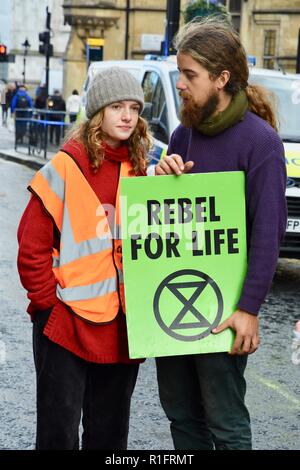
pixel 286 88
pixel 158 79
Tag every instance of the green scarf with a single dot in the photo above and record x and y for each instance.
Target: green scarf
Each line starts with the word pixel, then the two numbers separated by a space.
pixel 231 115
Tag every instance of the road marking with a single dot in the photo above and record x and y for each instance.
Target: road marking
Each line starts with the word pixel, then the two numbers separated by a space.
pixel 277 388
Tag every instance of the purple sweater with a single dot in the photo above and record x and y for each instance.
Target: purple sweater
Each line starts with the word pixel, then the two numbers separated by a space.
pixel 254 147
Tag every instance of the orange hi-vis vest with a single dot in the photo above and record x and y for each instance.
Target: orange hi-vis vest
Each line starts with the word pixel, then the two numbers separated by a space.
pixel 88 265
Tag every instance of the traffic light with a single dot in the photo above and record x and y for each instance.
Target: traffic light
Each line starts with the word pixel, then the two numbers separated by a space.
pixel 173 16
pixel 3 53
pixel 45 48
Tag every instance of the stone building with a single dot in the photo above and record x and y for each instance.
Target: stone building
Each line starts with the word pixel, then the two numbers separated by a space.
pixel 269 30
pixel 25 19
pixel 123 28
pixel 129 29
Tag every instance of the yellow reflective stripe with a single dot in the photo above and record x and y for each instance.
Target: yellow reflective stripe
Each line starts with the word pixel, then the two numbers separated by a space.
pixel 54 180
pixel 72 250
pixel 92 291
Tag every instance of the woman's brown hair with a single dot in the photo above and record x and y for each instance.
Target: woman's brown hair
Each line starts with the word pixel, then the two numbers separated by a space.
pixel 213 43
pixel 91 135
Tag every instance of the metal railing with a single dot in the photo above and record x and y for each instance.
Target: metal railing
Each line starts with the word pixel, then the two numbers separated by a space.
pixel 36 128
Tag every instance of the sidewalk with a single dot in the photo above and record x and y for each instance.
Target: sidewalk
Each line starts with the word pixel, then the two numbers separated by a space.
pixel 8 152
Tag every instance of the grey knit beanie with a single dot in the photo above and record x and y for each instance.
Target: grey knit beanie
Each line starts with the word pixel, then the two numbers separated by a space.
pixel 111 85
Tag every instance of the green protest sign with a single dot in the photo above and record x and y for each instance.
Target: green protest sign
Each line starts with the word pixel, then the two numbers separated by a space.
pixel 184 258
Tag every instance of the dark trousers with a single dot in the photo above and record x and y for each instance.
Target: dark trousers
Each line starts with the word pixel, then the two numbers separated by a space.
pixel 21 126
pixel 4 113
pixel 203 397
pixel 55 129
pixel 68 386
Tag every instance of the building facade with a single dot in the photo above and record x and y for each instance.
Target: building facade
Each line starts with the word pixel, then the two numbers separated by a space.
pixel 128 29
pixel 120 29
pixel 24 19
pixel 270 30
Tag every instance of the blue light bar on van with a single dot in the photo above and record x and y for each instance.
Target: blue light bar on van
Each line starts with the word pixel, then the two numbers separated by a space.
pixel 155 57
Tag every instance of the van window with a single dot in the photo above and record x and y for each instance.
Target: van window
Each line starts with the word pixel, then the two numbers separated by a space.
pixel 174 75
pixel 287 94
pixel 149 85
pixel 155 94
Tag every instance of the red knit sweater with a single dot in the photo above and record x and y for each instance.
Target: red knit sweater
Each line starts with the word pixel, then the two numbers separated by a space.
pixel 37 235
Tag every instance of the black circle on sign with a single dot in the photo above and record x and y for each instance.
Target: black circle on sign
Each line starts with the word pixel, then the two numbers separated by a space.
pixel 164 284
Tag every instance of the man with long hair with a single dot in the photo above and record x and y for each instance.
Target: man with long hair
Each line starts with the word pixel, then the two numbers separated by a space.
pixel 226 125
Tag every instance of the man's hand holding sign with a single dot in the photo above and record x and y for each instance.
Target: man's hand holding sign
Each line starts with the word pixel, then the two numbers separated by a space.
pixel 173 164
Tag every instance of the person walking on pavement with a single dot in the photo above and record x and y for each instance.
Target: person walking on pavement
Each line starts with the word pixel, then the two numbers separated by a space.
pixel 8 98
pixel 70 262
pixel 73 105
pixel 226 125
pixel 20 104
pixel 3 102
pixel 56 103
pixel 40 101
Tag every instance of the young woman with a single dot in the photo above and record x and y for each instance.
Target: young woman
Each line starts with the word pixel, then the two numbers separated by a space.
pixel 70 262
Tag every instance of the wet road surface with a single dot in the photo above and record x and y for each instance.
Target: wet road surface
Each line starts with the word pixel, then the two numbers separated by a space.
pixel 273 395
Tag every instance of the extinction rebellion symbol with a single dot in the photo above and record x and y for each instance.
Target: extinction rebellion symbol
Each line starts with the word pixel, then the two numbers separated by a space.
pixel 196 309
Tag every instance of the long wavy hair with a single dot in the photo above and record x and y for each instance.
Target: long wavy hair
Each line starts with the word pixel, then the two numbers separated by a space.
pixel 91 135
pixel 214 44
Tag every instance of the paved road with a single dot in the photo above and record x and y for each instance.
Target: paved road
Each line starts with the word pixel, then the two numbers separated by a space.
pixel 273 381
pixel 7 136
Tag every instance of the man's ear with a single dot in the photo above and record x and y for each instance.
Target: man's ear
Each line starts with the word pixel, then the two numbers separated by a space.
pixel 223 79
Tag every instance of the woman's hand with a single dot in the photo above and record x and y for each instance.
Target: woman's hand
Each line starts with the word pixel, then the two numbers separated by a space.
pixel 173 165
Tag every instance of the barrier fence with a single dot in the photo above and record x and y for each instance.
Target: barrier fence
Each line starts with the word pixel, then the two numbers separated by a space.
pixel 36 128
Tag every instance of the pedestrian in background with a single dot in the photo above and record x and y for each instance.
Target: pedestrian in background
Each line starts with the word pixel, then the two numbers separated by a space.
pixel 7 95
pixel 56 103
pixel 70 262
pixel 10 91
pixel 3 102
pixel 40 101
pixel 73 105
pixel 20 104
pixel 226 125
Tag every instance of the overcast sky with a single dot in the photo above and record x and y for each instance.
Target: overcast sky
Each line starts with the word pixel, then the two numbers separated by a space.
pixel 5 21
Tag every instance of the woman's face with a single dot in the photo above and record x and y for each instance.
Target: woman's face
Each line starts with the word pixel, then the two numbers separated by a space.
pixel 119 121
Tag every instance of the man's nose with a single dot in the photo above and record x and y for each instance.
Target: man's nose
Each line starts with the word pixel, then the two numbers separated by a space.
pixel 180 85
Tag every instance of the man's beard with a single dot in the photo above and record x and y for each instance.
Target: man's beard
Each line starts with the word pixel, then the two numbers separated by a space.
pixel 193 115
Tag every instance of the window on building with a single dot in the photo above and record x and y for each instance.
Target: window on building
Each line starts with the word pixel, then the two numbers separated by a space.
pixel 269 49
pixel 236 22
pixel 235 5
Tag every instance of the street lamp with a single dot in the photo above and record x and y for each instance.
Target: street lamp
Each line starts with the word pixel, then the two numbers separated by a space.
pixel 26 46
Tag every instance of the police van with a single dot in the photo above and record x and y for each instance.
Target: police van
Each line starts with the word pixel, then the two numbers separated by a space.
pixel 158 78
